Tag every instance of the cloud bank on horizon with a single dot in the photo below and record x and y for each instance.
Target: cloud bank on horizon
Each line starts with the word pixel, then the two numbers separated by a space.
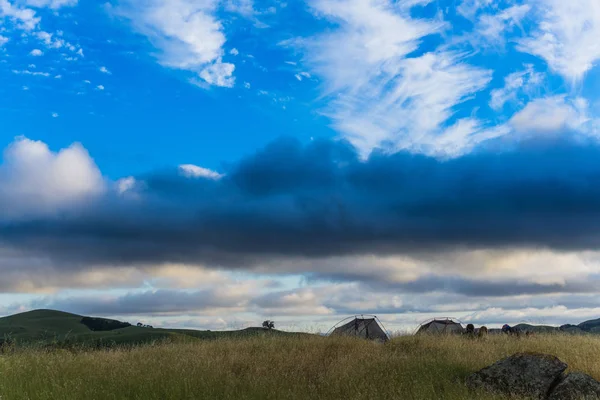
pixel 208 163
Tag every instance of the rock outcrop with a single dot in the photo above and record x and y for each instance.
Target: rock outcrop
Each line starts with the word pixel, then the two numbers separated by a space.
pixel 576 386
pixel 524 374
pixel 534 376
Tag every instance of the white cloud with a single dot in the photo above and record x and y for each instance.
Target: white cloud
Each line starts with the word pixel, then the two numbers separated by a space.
pixel 219 74
pixel 37 180
pixel 100 87
pixel 470 8
pixel 491 28
pixel 87 82
pixel 234 52
pixel 381 98
pixel 520 82
pixel 104 70
pixel 242 7
pixel 47 39
pixel 25 87
pixel 124 185
pixel 188 34
pixel 52 4
pixel 36 52
pixel 27 72
pixel 567 36
pixel 58 77
pixel 302 75
pixel 247 85
pixel 3 40
pixel 551 115
pixel 54 115
pixel 25 18
pixel 194 171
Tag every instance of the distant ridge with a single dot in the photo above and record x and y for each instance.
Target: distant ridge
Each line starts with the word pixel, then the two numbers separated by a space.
pixel 58 327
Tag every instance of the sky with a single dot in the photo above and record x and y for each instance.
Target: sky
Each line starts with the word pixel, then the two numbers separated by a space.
pixel 211 164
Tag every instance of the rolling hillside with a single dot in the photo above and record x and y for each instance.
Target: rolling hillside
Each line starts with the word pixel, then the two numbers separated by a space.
pixel 44 327
pixel 50 326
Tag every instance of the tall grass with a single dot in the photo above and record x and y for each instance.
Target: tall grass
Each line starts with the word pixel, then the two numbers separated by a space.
pixel 277 368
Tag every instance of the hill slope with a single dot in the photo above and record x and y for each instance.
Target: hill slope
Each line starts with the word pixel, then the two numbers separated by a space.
pixel 50 326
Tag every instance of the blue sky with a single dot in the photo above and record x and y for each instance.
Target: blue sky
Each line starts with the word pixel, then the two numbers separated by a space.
pixel 210 163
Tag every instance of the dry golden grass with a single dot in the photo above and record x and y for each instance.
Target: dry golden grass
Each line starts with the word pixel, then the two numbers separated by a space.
pixel 277 368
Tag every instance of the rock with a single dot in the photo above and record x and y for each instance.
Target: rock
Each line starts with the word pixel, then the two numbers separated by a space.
pixel 576 386
pixel 524 374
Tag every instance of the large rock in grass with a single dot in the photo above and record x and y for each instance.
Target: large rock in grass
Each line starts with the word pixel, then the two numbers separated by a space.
pixel 527 375
pixel 576 386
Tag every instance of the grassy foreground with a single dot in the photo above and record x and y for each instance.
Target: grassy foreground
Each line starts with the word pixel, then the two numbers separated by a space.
pixel 277 368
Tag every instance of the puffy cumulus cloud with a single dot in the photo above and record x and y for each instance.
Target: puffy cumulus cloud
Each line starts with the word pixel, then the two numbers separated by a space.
pixel 25 18
pixel 219 74
pixel 53 42
pixel 379 97
pixel 3 40
pixel 37 181
pixel 188 33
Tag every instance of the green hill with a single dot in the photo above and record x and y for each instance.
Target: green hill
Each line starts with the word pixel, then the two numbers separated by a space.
pixel 536 328
pixel 592 326
pixel 57 327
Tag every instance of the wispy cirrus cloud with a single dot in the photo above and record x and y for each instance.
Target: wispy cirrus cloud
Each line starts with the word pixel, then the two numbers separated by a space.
pixel 381 97
pixel 491 29
pixel 566 36
pixel 52 4
pixel 188 34
pixel 516 85
pixel 194 171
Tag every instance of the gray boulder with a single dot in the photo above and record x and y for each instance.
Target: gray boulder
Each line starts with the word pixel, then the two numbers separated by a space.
pixel 528 375
pixel 576 386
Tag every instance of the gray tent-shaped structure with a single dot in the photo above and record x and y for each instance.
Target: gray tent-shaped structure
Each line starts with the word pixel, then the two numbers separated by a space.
pixel 441 326
pixel 361 326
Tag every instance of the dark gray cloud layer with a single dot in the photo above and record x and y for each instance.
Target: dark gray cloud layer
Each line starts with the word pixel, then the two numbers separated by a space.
pixel 290 200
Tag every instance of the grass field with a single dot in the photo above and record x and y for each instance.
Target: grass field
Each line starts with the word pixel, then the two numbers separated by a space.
pixel 277 368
